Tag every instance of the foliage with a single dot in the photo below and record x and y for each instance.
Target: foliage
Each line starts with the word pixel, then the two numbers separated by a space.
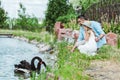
pixel 27 34
pixel 38 77
pixel 114 27
pixel 106 27
pixel 56 8
pixel 26 22
pixel 74 2
pixel 3 17
pixel 118 42
pixel 87 3
pixel 70 66
pixel 66 18
pixel 69 21
pixel 38 36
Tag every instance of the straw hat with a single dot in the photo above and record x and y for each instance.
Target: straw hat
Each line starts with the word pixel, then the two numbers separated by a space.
pixel 87 23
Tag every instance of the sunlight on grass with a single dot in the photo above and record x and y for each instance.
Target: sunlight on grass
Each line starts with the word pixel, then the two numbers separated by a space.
pixel 70 66
pixel 39 36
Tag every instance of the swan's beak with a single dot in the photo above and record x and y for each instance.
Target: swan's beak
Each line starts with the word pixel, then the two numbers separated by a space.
pixel 41 62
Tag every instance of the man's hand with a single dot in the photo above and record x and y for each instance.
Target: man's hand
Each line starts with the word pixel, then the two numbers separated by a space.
pixel 97 39
pixel 100 37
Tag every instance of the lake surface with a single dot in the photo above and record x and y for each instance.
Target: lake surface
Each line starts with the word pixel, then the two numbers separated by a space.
pixel 12 51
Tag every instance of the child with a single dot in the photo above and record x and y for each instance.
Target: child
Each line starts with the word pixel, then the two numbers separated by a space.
pixel 87 46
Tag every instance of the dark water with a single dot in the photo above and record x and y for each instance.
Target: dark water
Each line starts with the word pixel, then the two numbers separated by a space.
pixel 12 51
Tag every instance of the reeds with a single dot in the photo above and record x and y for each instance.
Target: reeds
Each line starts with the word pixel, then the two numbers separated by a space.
pixel 118 42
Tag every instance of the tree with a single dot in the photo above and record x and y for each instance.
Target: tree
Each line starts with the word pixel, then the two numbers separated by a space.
pixel 56 8
pixel 3 17
pixel 25 21
pixel 85 4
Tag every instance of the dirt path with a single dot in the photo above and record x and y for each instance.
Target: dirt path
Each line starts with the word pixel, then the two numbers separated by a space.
pixel 104 70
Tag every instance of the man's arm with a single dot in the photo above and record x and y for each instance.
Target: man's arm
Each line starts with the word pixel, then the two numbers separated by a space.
pixel 100 37
pixel 99 30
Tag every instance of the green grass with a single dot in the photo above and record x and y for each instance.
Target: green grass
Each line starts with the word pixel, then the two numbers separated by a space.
pixel 39 36
pixel 27 34
pixel 70 66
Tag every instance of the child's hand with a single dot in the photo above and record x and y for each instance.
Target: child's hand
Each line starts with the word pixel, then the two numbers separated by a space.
pixel 72 51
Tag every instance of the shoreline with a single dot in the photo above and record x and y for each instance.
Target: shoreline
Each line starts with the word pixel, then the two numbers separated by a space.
pixel 45 49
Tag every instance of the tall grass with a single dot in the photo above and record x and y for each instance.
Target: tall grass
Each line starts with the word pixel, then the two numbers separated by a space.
pixel 118 42
pixel 114 27
pixel 42 36
pixel 71 66
pixel 41 76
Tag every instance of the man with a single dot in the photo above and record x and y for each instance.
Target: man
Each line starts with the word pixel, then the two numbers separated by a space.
pixel 96 27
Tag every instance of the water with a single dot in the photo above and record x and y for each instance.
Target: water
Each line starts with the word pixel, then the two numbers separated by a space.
pixel 12 51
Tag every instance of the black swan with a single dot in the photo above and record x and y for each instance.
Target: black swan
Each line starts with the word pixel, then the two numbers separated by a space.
pixel 26 67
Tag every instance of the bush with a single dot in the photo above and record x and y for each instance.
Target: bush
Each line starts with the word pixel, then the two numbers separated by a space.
pixel 114 27
pixel 26 22
pixel 3 17
pixel 56 8
pixel 66 18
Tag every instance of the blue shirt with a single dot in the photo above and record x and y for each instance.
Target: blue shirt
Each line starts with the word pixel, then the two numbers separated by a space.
pixel 96 27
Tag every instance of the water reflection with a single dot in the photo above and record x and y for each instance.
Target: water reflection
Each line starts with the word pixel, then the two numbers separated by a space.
pixel 12 51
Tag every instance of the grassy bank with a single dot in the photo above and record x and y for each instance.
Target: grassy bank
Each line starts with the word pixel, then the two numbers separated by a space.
pixel 39 36
pixel 70 66
pixel 27 34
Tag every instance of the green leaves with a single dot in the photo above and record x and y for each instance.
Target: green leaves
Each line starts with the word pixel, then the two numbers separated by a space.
pixel 56 8
pixel 3 17
pixel 25 21
pixel 118 42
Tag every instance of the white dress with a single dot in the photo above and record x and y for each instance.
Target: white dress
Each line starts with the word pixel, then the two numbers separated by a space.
pixel 89 47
